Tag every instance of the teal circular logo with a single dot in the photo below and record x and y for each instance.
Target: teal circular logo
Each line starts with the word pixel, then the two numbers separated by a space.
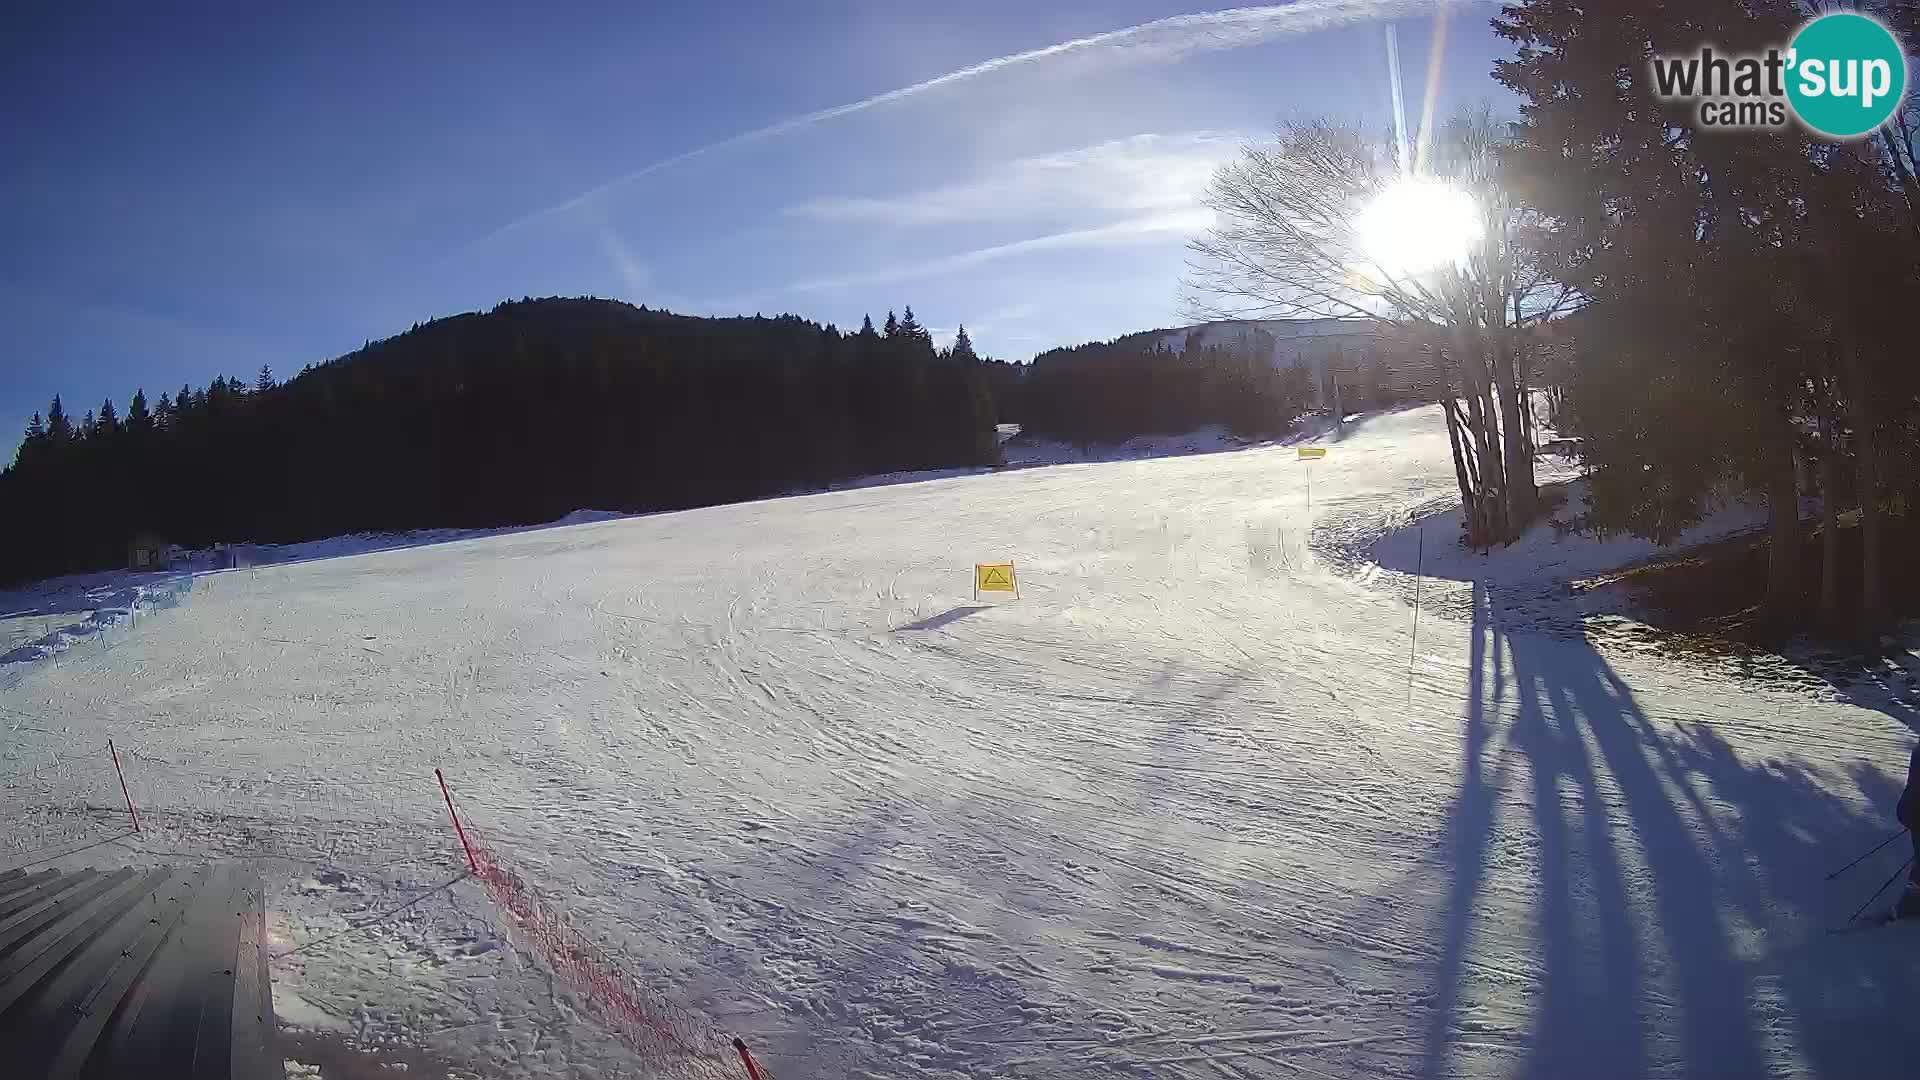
pixel 1846 74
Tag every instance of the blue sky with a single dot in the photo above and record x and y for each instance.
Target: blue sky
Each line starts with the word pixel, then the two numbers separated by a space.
pixel 187 195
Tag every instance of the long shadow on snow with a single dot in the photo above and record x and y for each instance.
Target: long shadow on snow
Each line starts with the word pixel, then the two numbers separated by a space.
pixel 1871 684
pixel 1653 853
pixel 944 975
pixel 935 622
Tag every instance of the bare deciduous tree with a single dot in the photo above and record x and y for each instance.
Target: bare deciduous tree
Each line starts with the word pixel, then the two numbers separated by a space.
pixel 1288 243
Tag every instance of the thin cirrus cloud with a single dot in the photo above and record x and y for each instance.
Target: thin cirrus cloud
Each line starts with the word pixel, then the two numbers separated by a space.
pixel 1137 175
pixel 997 321
pixel 1159 41
pixel 1145 228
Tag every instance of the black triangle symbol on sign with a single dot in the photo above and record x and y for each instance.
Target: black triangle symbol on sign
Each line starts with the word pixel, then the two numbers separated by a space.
pixel 995 577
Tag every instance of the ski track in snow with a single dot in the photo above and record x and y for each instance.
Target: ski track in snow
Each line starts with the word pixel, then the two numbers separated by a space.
pixel 1182 810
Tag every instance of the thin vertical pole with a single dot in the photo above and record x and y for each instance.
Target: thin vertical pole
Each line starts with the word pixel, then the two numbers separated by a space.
pixel 1419 568
pixel 123 785
pixel 462 833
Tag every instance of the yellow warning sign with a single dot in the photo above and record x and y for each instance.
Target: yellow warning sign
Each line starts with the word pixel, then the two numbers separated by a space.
pixel 1312 453
pixel 994 577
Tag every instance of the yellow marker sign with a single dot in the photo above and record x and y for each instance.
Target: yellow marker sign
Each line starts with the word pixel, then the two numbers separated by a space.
pixel 1311 453
pixel 994 577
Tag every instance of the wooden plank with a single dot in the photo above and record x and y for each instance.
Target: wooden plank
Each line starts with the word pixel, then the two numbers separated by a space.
pixel 50 885
pixel 155 973
pixel 161 911
pixel 14 880
pixel 165 1026
pixel 213 1047
pixel 131 1008
pixel 26 933
pixel 255 1031
pixel 75 925
pixel 37 1021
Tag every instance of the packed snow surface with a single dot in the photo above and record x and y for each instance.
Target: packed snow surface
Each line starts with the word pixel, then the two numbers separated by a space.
pixel 1202 802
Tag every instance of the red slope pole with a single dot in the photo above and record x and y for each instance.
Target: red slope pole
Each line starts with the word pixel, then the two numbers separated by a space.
pixel 123 785
pixel 753 1071
pixel 462 833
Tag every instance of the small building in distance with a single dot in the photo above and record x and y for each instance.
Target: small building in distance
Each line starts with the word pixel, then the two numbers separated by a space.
pixel 146 551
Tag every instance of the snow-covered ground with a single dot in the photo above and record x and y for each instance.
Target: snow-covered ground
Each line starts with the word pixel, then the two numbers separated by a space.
pixel 1197 804
pixel 1547 580
pixel 52 616
pixel 43 618
pixel 1028 451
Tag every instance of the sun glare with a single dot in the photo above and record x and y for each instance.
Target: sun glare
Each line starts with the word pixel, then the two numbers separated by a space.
pixel 1417 225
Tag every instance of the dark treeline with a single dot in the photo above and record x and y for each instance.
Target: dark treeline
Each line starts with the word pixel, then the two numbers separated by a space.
pixel 540 407
pixel 515 416
pixel 1113 391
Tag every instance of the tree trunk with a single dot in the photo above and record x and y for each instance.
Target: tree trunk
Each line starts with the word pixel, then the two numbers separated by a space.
pixel 1873 600
pixel 1783 554
pixel 1526 405
pixel 1450 408
pixel 1909 187
pixel 1490 523
pixel 1480 525
pixel 1519 486
pixel 1867 455
pixel 1829 521
pixel 1459 461
pixel 1494 476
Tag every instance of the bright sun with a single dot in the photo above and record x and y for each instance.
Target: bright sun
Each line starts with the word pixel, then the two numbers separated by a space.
pixel 1418 224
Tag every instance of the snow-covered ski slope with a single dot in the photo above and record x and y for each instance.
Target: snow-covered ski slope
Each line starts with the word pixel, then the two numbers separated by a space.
pixel 1178 811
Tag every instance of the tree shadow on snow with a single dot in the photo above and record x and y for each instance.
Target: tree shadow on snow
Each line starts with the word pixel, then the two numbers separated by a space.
pixel 933 906
pixel 935 622
pixel 1675 907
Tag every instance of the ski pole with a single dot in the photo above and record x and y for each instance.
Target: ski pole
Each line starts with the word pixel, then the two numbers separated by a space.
pixel 1881 889
pixel 1871 850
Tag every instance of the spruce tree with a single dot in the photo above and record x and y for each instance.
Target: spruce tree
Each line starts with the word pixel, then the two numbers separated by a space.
pixel 962 346
pixel 139 420
pixel 31 444
pixel 1687 240
pixel 59 428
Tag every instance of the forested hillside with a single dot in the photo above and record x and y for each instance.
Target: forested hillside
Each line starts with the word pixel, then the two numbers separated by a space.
pixel 1112 391
pixel 516 415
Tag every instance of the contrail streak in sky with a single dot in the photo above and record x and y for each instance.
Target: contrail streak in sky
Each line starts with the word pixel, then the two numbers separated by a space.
pixel 1159 41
